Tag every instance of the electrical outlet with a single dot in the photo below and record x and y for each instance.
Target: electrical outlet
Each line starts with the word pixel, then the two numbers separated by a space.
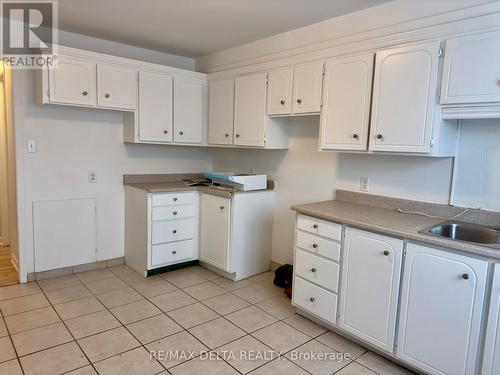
pixel 364 184
pixel 31 146
pixel 92 177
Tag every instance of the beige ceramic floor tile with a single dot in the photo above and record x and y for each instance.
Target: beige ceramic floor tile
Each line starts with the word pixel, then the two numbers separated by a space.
pixel 263 278
pixel 108 344
pixel 355 369
pixel 183 279
pixel 155 288
pixel 153 328
pixel 105 286
pixel 341 344
pixel 205 367
pixel 205 273
pixel 22 304
pixel 305 325
pixel 280 307
pixel 58 282
pixel 68 294
pixel 216 332
pixel 11 367
pixel 173 300
pixel 175 349
pixel 254 293
pixel 122 270
pixel 94 275
pixel 6 349
pixel 3 328
pixel 280 366
pixel 135 279
pixel 18 290
pixel 329 364
pixel 231 285
pixel 251 318
pixel 55 360
pixel 204 291
pixel 119 297
pixel 135 311
pixel 226 303
pixel 79 307
pixel 87 370
pixel 31 319
pixel 381 365
pixel 31 341
pixel 192 315
pixel 246 354
pixel 91 324
pixel 136 362
pixel 281 337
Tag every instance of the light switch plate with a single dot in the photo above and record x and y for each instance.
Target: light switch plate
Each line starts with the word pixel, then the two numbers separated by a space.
pixel 31 146
pixel 92 177
pixel 364 184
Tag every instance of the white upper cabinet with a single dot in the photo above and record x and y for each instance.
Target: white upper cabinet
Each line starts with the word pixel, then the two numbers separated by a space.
pixel 188 110
pixel 155 107
pixel 220 112
pixel 116 87
pixel 404 98
pixel 441 309
pixel 250 110
pixel 491 360
pixel 471 72
pixel 345 114
pixel 279 92
pixel 307 86
pixel 370 287
pixel 72 81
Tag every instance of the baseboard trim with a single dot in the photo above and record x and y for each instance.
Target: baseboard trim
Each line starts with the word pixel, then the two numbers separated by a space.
pixel 172 267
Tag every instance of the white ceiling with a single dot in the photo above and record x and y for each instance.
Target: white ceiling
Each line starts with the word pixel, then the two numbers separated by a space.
pixel 196 28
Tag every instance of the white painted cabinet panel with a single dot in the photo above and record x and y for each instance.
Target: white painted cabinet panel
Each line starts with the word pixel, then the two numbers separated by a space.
pixel 404 98
pixel 315 300
pixel 491 359
pixel 172 252
pixel 215 223
pixel 172 230
pixel 307 86
pixel 279 92
pixel 471 72
pixel 345 114
pixel 317 270
pixel 188 110
pixel 72 81
pixel 371 270
pixel 441 309
pixel 116 87
pixel 155 107
pixel 220 112
pixel 250 110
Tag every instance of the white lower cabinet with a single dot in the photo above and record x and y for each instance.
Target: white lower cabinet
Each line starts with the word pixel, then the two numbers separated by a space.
pixel 491 358
pixel 441 309
pixel 315 300
pixel 371 269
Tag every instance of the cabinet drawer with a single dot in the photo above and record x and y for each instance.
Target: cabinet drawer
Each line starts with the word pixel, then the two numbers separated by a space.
pixel 314 299
pixel 317 270
pixel 173 212
pixel 172 252
pixel 318 245
pixel 172 230
pixel 168 199
pixel 323 228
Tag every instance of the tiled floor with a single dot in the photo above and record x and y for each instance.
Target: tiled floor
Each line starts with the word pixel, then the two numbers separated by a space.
pixel 107 321
pixel 8 274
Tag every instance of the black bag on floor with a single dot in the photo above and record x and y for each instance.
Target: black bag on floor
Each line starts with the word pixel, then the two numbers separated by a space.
pixel 283 276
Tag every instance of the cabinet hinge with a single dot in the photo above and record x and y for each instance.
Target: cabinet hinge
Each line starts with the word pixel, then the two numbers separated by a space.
pixel 441 52
pixel 432 142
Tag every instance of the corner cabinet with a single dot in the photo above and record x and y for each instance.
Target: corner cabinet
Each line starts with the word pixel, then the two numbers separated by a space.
pixel 441 310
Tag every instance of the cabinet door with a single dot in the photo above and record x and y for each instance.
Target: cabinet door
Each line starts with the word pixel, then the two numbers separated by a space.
pixel 220 112
pixel 471 72
pixel 250 110
pixel 370 287
pixel 441 307
pixel 345 115
pixel 491 359
pixel 307 85
pixel 215 230
pixel 188 110
pixel 116 87
pixel 72 81
pixel 155 107
pixel 279 92
pixel 404 98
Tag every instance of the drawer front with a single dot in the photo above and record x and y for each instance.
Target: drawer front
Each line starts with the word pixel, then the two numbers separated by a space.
pixel 173 212
pixel 168 199
pixel 172 230
pixel 320 227
pixel 173 252
pixel 315 300
pixel 317 270
pixel 318 245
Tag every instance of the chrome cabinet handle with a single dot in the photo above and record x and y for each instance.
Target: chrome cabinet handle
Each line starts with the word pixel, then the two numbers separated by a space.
pixel 226 135
pixel 181 133
pixel 174 231
pixel 175 213
pixel 221 207
pixel 106 95
pixel 174 252
pixel 175 199
pixel 465 276
pixel 165 132
pixel 237 135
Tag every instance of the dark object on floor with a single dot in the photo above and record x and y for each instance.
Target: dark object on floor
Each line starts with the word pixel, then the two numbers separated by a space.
pixel 283 276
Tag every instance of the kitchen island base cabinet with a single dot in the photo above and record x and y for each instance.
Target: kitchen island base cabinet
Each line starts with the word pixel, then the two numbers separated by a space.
pixel 441 309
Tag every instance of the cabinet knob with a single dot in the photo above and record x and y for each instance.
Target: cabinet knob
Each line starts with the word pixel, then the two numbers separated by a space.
pixel 299 101
pixel 106 95
pixel 355 136
pixel 315 226
pixel 312 299
pixel 315 245
pixel 313 269
pixel 379 136
pixel 165 132
pixel 221 207
pixel 174 231
pixel 181 133
pixel 226 135
pixel 237 135
pixel 85 93
pixel 386 253
pixel 175 213
pixel 175 199
pixel 282 102
pixel 174 252
pixel 465 276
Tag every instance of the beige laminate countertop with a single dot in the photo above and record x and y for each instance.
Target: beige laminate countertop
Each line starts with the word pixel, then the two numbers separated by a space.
pixel 390 222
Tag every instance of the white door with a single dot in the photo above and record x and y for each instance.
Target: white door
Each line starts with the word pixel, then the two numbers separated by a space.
pixel 188 110
pixel 345 115
pixel 220 112
pixel 116 87
pixel 72 81
pixel 370 287
pixel 307 86
pixel 471 72
pixel 441 306
pixel 215 224
pixel 404 98
pixel 491 360
pixel 250 110
pixel 155 107
pixel 279 92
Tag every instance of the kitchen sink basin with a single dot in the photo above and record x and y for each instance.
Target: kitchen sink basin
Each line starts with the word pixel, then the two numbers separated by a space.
pixel 467 232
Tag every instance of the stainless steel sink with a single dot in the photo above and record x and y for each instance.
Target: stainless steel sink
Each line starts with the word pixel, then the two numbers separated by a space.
pixel 467 232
